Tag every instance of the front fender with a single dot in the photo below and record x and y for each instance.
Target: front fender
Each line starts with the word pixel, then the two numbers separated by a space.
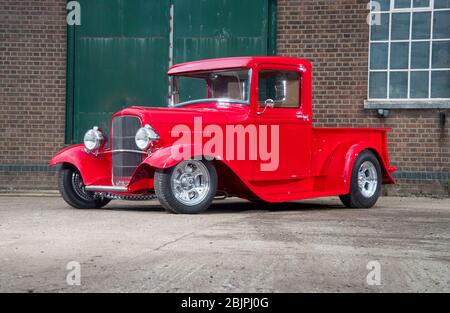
pixel 171 156
pixel 95 170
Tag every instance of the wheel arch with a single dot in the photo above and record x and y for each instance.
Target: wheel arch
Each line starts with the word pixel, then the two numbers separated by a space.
pixel 352 155
pixel 95 170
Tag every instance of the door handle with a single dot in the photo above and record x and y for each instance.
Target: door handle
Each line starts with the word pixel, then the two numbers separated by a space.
pixel 302 117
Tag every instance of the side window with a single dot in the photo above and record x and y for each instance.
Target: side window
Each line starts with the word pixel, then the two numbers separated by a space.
pixel 283 87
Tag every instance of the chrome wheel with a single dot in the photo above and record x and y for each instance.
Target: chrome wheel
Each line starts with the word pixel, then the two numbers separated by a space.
pixel 367 179
pixel 190 182
pixel 79 187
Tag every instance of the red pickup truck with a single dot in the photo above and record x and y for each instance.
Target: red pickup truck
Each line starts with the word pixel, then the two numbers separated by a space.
pixel 237 127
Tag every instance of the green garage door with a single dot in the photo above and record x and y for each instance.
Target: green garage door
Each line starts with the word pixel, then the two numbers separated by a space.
pixel 220 28
pixel 120 53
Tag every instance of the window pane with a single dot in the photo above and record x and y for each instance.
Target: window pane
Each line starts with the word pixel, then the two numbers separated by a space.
pixel 421 3
pixel 441 54
pixel 190 89
pixel 441 25
pixel 400 26
pixel 378 56
pixel 399 55
pixel 420 54
pixel 281 86
pixel 383 5
pixel 398 85
pixel 421 25
pixel 400 4
pixel 440 82
pixel 378 85
pixel 419 84
pixel 381 32
pixel 441 4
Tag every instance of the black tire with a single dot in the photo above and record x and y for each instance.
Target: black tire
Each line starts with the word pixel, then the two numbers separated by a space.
pixel 167 198
pixel 77 197
pixel 356 198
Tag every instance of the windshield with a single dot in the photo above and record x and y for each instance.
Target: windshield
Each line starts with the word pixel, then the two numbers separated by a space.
pixel 230 85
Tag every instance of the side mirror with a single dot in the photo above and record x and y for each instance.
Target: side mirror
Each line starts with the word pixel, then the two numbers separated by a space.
pixel 269 103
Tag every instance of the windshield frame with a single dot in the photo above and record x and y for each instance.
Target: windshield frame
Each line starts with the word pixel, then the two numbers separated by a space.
pixel 171 98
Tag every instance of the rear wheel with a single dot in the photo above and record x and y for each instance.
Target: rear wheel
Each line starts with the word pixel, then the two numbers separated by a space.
pixel 365 184
pixel 187 188
pixel 72 189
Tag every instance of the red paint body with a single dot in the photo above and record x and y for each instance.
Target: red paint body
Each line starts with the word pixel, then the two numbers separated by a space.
pixel 314 162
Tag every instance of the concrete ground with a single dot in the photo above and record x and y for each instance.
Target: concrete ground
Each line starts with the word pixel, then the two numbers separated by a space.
pixel 310 246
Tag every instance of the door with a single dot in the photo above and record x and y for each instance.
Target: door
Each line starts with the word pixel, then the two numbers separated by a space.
pixel 280 106
pixel 120 59
pixel 120 54
pixel 206 29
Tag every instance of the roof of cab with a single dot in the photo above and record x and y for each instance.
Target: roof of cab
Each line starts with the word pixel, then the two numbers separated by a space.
pixel 235 62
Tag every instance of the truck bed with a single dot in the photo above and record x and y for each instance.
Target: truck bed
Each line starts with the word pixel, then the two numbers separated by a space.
pixel 328 144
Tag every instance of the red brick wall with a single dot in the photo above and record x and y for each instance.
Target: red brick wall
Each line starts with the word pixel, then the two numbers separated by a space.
pixel 335 36
pixel 32 89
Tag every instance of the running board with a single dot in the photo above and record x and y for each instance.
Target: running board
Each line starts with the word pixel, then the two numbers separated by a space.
pixel 107 188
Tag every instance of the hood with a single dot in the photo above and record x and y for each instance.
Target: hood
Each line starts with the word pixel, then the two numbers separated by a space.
pixel 217 113
pixel 163 120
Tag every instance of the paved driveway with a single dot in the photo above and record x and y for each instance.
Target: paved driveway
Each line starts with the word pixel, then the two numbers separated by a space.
pixel 312 246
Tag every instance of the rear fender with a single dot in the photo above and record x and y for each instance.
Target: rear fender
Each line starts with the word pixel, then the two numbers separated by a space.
pixel 95 170
pixel 352 154
pixel 338 169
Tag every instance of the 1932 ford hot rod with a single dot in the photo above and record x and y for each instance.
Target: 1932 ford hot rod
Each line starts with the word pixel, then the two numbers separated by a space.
pixel 234 127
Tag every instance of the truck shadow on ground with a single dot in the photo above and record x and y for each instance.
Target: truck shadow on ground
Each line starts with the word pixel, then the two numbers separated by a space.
pixel 226 207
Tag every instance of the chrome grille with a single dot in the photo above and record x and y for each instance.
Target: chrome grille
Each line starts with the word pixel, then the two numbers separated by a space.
pixel 124 163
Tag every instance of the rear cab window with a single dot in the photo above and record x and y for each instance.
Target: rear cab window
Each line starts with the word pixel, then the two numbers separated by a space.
pixel 283 87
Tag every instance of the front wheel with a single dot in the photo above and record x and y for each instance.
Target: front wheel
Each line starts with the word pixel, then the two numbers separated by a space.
pixel 365 184
pixel 187 188
pixel 72 189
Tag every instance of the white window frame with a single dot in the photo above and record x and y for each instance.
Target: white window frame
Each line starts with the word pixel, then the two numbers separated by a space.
pixel 405 102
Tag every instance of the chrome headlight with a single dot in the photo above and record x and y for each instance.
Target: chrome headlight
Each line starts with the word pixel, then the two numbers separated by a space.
pixel 93 139
pixel 145 136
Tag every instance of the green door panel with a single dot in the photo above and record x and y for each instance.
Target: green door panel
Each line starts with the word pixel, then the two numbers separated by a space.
pixel 121 51
pixel 219 28
pixel 114 73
